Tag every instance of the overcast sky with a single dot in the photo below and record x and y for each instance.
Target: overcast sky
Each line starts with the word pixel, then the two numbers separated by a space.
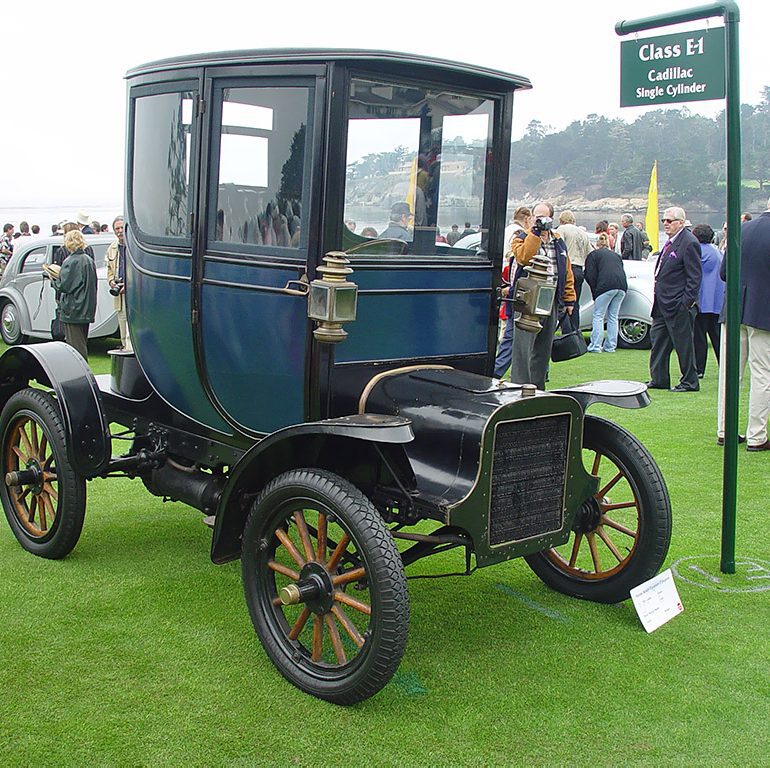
pixel 63 122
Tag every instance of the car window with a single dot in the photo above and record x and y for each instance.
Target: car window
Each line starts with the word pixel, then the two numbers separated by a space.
pixel 34 260
pixel 417 164
pixel 261 167
pixel 100 253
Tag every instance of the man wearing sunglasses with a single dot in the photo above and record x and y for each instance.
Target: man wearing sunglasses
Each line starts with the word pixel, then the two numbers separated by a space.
pixel 677 286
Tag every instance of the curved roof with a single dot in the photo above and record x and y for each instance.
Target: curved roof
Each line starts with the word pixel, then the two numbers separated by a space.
pixel 322 56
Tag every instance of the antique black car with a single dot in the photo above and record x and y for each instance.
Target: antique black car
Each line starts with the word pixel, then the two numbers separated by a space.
pixel 272 198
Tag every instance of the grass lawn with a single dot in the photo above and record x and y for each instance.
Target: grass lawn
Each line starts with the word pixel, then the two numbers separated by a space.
pixel 137 650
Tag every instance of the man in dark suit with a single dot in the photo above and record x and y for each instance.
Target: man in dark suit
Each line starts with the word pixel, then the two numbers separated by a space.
pixel 677 286
pixel 754 331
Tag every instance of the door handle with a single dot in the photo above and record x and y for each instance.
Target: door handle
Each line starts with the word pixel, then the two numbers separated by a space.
pixel 302 289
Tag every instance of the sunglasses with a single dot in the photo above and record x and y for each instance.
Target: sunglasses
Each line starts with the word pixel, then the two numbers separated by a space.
pixel 668 221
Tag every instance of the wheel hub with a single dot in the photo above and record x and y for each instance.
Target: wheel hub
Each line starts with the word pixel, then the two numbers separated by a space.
pixel 32 476
pixel 589 516
pixel 314 588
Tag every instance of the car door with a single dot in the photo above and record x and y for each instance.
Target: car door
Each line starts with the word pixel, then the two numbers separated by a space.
pixel 252 308
pixel 36 290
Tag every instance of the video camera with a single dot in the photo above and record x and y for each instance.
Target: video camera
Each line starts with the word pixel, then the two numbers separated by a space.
pixel 542 224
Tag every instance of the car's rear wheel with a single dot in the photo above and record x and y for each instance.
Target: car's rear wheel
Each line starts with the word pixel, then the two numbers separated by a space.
pixel 633 334
pixel 43 497
pixel 10 324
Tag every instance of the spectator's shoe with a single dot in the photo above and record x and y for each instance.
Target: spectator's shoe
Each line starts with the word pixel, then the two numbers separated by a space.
pixel 680 388
pixel 761 447
pixel 721 440
pixel 653 385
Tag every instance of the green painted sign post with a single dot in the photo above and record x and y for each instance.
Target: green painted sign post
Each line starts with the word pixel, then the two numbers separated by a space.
pixel 731 15
pixel 689 66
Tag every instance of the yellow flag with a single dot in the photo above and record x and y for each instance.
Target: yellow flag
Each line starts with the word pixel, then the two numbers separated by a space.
pixel 651 221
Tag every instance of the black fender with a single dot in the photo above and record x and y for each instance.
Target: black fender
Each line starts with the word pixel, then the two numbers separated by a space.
pixel 366 449
pixel 58 366
pixel 622 394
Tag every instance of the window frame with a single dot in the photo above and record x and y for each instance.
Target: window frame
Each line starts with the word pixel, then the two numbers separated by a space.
pixel 30 252
pixel 257 80
pixel 435 260
pixel 193 85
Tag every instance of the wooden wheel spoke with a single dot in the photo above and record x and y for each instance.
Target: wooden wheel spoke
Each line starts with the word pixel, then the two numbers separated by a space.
pixel 604 536
pixel 283 569
pixel 354 574
pixel 339 550
pixel 597 461
pixel 323 527
pixel 304 534
pixel 618 527
pixel 51 491
pixel 47 501
pixel 334 634
pixel 348 625
pixel 35 441
pixel 23 495
pixel 20 454
pixel 48 476
pixel 277 602
pixel 283 537
pixel 318 638
pixel 342 597
pixel 32 509
pixel 575 550
pixel 299 625
pixel 609 486
pixel 619 505
pixel 594 552
pixel 41 509
pixel 25 442
pixel 43 444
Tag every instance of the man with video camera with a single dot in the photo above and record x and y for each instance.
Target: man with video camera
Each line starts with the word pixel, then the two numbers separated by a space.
pixel 532 351
pixel 116 277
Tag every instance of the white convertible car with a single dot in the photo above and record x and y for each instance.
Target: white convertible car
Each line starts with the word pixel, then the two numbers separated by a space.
pixel 27 303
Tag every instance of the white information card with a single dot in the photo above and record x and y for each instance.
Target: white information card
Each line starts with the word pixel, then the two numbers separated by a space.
pixel 657 601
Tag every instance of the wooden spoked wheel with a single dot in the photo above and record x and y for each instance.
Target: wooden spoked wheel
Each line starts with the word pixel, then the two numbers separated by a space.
pixel 620 535
pixel 313 553
pixel 43 498
pixel 608 524
pixel 325 586
pixel 29 456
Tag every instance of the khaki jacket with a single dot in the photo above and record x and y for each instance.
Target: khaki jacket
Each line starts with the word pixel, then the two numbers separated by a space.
pixel 524 248
pixel 112 273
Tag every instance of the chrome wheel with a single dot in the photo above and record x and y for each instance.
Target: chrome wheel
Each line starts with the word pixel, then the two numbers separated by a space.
pixel 633 334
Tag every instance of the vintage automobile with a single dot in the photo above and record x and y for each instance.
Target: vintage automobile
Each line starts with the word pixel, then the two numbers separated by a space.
pixel 329 455
pixel 635 311
pixel 27 303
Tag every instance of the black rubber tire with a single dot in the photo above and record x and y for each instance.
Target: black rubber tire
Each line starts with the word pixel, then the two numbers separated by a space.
pixel 59 538
pixel 15 336
pixel 630 335
pixel 653 533
pixel 384 639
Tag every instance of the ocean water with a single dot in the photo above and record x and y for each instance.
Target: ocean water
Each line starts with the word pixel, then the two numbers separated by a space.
pixel 46 216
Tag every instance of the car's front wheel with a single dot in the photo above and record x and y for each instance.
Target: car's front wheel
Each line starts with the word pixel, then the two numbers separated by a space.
pixel 325 586
pixel 10 325
pixel 633 334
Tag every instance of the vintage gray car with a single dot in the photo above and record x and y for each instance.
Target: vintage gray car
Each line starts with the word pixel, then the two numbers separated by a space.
pixel 27 303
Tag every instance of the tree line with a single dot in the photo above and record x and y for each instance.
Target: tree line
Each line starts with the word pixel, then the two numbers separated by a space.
pixel 600 157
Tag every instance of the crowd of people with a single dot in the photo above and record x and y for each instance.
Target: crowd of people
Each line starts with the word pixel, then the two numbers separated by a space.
pixel 688 299
pixel 72 273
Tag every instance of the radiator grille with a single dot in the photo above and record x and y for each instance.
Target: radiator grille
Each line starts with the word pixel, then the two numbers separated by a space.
pixel 528 473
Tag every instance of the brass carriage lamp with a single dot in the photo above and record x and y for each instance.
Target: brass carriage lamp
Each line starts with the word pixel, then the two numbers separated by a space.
pixel 333 299
pixel 534 294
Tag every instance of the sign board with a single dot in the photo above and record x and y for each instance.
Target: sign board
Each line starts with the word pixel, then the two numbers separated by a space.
pixel 688 66
pixel 657 601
